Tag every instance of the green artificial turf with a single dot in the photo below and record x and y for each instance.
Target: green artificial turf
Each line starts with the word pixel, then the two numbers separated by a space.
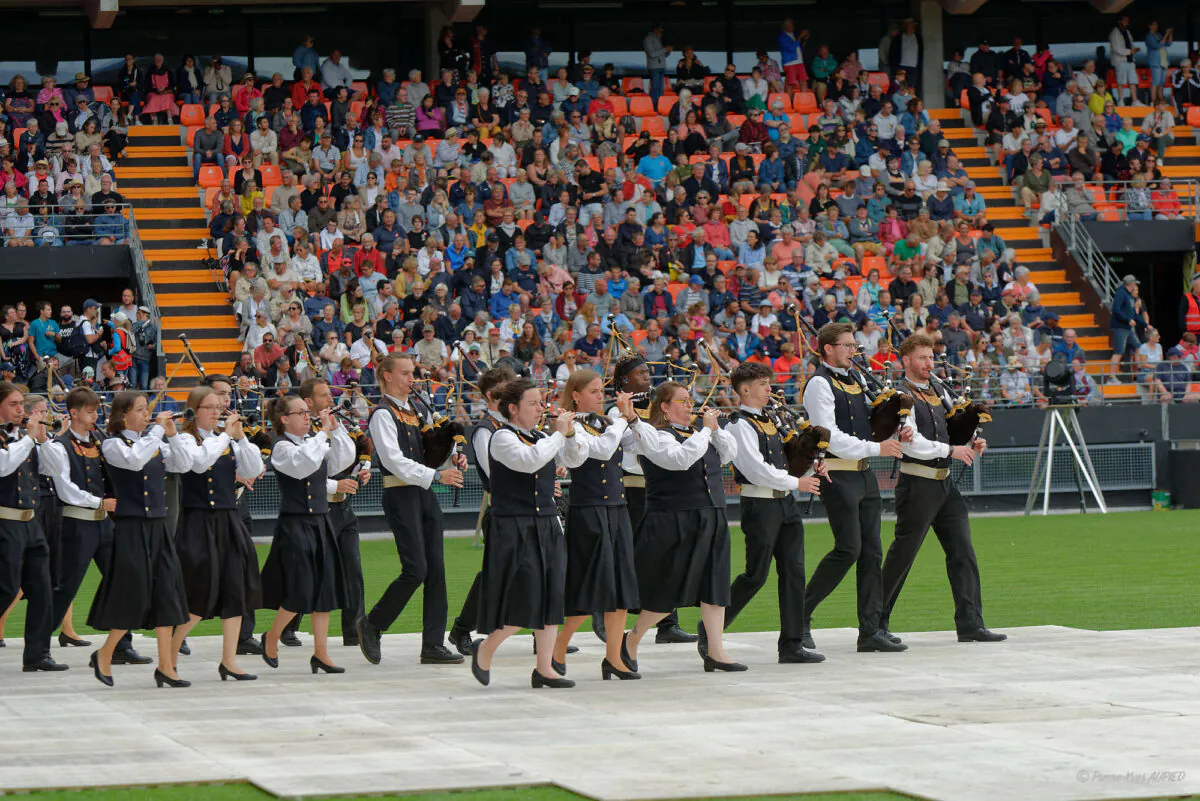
pixel 1117 571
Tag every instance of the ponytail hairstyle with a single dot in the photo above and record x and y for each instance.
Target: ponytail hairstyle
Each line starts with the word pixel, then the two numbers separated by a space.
pixel 575 383
pixel 512 393
pixel 194 399
pixel 277 408
pixel 122 403
pixel 662 396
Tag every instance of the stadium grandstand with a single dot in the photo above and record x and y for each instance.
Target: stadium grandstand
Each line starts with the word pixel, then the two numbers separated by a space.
pixel 295 193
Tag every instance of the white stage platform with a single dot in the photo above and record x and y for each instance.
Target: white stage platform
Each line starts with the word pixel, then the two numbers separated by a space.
pixel 1054 713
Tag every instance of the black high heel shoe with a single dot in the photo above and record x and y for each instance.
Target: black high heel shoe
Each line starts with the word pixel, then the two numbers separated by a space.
pixel 631 663
pixel 74 642
pixel 482 676
pixel 161 678
pixel 608 670
pixel 538 681
pixel 94 664
pixel 226 673
pixel 317 664
pixel 559 667
pixel 271 661
pixel 711 664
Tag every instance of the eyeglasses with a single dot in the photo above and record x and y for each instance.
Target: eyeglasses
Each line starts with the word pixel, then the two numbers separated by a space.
pixel 685 401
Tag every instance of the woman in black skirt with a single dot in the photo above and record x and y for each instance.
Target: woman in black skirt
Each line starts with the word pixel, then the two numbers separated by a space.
pixel 683 538
pixel 523 558
pixel 220 567
pixel 601 578
pixel 303 573
pixel 143 588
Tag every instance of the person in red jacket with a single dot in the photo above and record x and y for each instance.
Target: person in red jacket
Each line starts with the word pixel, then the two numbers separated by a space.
pixel 754 132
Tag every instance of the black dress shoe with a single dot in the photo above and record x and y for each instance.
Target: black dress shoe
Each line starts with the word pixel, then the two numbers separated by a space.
pixel 799 656
pixel 94 664
pixel 317 664
pixel 3 644
pixel 440 655
pixel 185 649
pixel 672 635
pixel 806 641
pixel 982 634
pixel 130 657
pixel 461 640
pixel 72 642
pixel 161 678
pixel 891 636
pixel 879 642
pixel 226 673
pixel 368 640
pixel 629 662
pixel 538 681
pixel 701 639
pixel 272 661
pixel 46 665
pixel 608 670
pixel 559 667
pixel 598 628
pixel 711 664
pixel 482 676
pixel 249 647
pixel 290 639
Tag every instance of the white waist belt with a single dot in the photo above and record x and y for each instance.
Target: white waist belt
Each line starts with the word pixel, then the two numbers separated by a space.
pixel 752 491
pixel 81 513
pixel 922 471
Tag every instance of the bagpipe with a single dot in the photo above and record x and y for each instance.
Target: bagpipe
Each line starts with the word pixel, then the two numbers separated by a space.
pixel 889 406
pixel 803 443
pixel 964 417
pixel 440 436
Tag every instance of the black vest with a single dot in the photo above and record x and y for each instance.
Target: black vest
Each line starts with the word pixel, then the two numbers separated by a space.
pixel 86 463
pixel 214 489
pixel 929 414
pixel 698 487
pixel 770 444
pixel 851 411
pixel 141 493
pixel 302 496
pixel 408 432
pixel 19 489
pixel 491 425
pixel 597 482
pixel 516 494
pixel 46 487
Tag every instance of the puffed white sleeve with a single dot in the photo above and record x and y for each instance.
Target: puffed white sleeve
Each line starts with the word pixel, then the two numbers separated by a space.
pixel 249 458
pixel 920 447
pixel 818 403
pixel 121 455
pixel 726 445
pixel 68 492
pixel 177 453
pixel 205 454
pixel 629 437
pixel 384 434
pixel 479 444
pixel 300 461
pixel 514 454
pixel 670 454
pixel 341 451
pixel 750 462
pixel 605 445
pixel 16 453
pixel 576 451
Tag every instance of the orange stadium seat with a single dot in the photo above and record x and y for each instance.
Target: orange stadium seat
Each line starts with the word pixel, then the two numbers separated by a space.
pixel 657 126
pixel 191 114
pixel 103 94
pixel 211 175
pixel 620 105
pixel 271 175
pixel 641 106
pixel 630 84
pixel 783 98
pixel 805 103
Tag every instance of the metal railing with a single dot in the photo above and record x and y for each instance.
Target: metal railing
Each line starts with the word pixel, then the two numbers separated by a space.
pixel 1111 199
pixel 46 226
pixel 141 271
pixel 1095 266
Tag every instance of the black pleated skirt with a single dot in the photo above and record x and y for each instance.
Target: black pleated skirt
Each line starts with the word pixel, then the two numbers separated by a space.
pixel 601 574
pixel 303 571
pixel 220 567
pixel 682 559
pixel 524 570
pixel 143 588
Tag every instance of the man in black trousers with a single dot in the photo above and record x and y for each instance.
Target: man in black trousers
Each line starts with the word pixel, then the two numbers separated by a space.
pixel 926 496
pixel 834 398
pixel 770 514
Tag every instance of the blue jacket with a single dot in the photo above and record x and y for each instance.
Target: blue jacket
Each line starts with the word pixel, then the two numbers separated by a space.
pixel 498 306
pixel 771 172
pixel 1123 309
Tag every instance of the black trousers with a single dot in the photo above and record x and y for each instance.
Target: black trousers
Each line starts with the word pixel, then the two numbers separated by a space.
pixel 635 499
pixel 852 501
pixel 345 528
pixel 416 522
pixel 774 530
pixel 83 542
pixel 243 508
pixel 920 504
pixel 25 566
pixel 468 616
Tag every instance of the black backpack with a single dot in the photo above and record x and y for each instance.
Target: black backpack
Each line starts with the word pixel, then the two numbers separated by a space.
pixel 72 342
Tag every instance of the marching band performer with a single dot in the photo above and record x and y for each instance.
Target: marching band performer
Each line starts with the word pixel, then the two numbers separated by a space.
pixel 770 514
pixel 927 496
pixel 81 480
pixel 413 514
pixel 490 385
pixel 220 567
pixel 682 551
pixel 632 374
pixel 524 554
pixel 143 587
pixel 303 573
pixel 834 399
pixel 24 554
pixel 601 578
